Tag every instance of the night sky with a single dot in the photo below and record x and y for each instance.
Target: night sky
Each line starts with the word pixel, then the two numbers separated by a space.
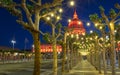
pixel 10 29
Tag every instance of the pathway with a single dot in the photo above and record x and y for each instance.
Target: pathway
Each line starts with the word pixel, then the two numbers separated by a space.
pixel 83 68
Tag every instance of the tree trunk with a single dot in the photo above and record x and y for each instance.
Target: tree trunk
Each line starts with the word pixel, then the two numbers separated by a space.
pixel 113 53
pixel 68 56
pixel 91 59
pixel 76 57
pixel 107 58
pixel 54 51
pixel 3 57
pixel 99 62
pixel 37 58
pixel 119 59
pixel 54 57
pixel 96 54
pixel 64 58
pixel 104 62
pixel 104 56
pixel 71 57
pixel 64 54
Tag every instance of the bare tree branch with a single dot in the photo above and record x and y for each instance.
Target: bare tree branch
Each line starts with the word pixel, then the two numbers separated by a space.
pixel 24 24
pixel 27 26
pixel 115 17
pixel 105 18
pixel 59 33
pixel 42 33
pixel 50 5
pixel 35 3
pixel 28 14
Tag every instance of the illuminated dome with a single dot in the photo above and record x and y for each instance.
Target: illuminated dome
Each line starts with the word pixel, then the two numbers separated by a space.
pixel 76 25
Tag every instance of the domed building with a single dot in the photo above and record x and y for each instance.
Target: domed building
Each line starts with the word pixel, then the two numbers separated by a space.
pixel 76 25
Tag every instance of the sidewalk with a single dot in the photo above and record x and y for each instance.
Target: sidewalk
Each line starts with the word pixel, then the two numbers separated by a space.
pixel 83 68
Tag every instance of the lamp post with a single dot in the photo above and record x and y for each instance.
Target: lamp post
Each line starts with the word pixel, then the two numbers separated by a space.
pixel 13 42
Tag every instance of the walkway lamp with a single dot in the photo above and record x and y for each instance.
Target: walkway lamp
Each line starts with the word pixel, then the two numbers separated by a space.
pixel 13 42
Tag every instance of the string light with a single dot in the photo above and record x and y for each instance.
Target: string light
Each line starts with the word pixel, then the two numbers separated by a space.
pixel 101 27
pixel 69 20
pixel 88 24
pixel 115 31
pixel 60 10
pixel 58 17
pixel 72 3
pixel 96 24
pixel 52 15
pixel 72 35
pixel 48 18
pixel 91 31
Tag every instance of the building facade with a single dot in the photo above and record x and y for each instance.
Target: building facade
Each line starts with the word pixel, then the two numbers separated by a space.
pixel 76 25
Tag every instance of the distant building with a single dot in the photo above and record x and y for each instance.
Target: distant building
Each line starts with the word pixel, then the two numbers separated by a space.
pixel 7 48
pixel 76 25
pixel 47 48
pixel 118 47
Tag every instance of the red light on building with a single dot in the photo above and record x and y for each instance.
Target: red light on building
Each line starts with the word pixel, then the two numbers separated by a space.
pixel 118 44
pixel 48 48
pixel 76 25
pixel 118 47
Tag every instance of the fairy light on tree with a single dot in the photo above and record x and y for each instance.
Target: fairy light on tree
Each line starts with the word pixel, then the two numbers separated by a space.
pixel 60 10
pixel 88 24
pixel 91 31
pixel 48 18
pixel 69 20
pixel 72 3
pixel 52 14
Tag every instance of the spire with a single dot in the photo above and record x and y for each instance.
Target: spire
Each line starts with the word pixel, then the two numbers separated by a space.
pixel 75 16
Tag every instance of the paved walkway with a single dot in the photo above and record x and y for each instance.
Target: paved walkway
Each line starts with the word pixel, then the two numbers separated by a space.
pixel 83 68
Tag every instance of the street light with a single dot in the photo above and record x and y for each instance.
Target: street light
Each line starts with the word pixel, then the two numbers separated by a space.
pixel 13 42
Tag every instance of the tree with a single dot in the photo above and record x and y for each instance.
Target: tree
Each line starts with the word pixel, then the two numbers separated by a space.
pixel 117 37
pixel 52 37
pixel 63 43
pixel 101 28
pixel 109 20
pixel 32 11
pixel 98 51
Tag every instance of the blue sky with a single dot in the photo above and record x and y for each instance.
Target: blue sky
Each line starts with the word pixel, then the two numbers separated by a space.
pixel 9 28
